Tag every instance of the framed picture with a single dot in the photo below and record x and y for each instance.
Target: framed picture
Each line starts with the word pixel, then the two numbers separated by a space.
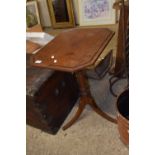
pixel 32 14
pixel 96 12
pixel 61 13
pixel 76 11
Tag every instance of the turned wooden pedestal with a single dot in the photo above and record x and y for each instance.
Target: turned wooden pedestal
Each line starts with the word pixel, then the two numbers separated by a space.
pixel 86 98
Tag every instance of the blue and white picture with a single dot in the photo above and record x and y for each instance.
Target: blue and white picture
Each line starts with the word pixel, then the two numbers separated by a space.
pixel 99 11
pixel 96 8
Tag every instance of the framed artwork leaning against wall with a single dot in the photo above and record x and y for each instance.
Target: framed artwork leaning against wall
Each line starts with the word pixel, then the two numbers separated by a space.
pixel 32 14
pixel 96 12
pixel 61 13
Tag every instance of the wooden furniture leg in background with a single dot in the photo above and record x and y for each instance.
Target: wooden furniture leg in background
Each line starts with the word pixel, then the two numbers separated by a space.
pixel 86 98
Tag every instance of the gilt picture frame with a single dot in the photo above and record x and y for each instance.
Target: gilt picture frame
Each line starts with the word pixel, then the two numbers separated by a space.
pixel 32 14
pixel 96 12
pixel 61 13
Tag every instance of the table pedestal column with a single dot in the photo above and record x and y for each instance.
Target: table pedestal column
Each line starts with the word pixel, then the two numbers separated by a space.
pixel 86 98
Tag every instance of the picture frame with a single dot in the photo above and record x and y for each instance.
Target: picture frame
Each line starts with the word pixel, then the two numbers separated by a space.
pixel 76 11
pixel 96 12
pixel 32 14
pixel 61 13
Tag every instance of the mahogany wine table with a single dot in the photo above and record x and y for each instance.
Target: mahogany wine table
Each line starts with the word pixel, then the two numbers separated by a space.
pixel 73 51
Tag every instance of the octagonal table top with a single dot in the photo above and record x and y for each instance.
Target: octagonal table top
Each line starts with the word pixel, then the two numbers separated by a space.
pixel 73 49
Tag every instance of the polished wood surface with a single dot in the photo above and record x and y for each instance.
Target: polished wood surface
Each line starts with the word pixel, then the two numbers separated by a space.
pixel 31 47
pixel 74 49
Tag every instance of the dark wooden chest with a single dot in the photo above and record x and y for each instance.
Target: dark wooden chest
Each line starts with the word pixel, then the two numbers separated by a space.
pixel 50 97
